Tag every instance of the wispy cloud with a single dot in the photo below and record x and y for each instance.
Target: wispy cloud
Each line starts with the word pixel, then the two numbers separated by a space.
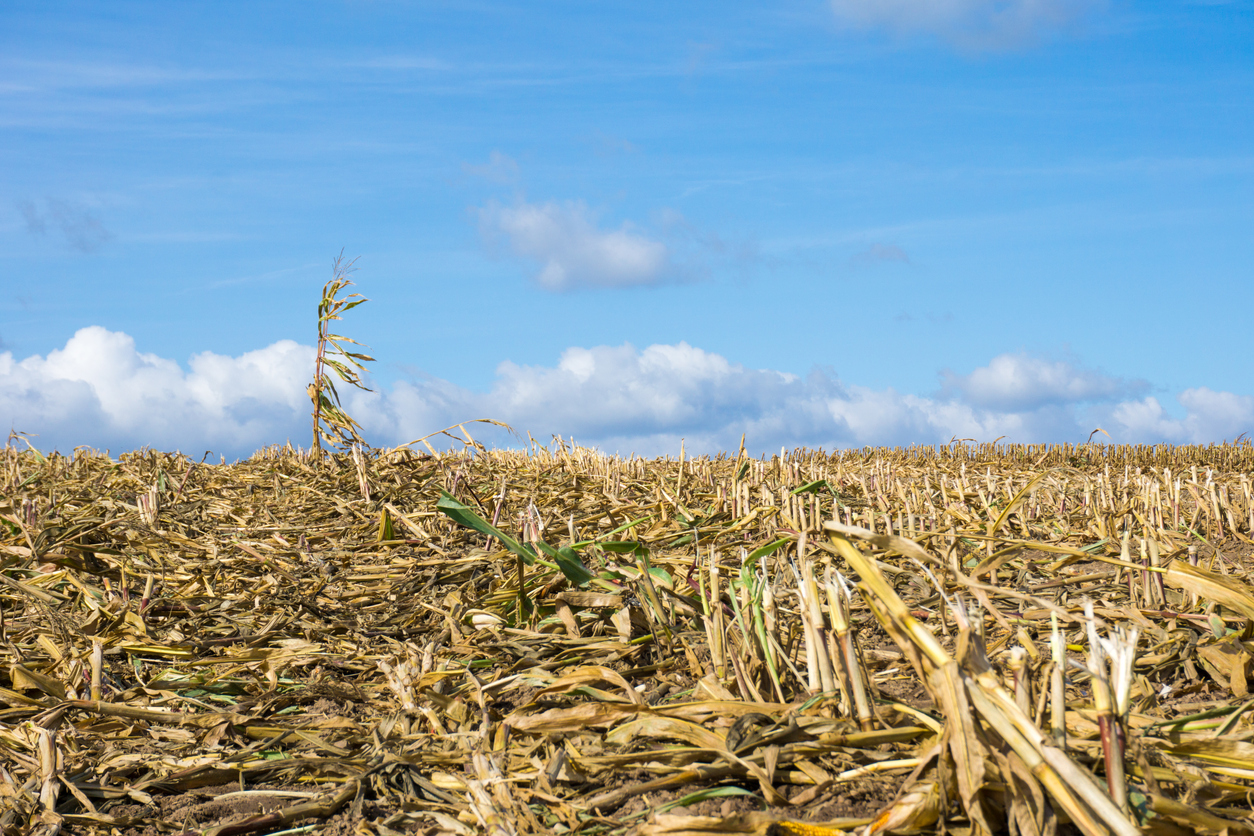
pixel 187 237
pixel 262 278
pixel 607 145
pixel 100 390
pixel 403 63
pixel 82 230
pixel 571 248
pixel 27 75
pixel 930 317
pixel 500 169
pixel 879 254
pixel 971 24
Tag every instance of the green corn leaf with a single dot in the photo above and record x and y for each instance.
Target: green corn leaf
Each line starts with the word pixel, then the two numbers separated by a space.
pixel 762 551
pixel 568 561
pixel 704 795
pixel 622 546
pixel 629 524
pixel 662 575
pixel 463 515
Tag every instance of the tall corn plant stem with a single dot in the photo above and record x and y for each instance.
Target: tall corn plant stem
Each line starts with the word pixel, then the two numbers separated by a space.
pixel 330 423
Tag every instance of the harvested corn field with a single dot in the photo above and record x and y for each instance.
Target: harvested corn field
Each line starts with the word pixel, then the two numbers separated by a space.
pixel 970 639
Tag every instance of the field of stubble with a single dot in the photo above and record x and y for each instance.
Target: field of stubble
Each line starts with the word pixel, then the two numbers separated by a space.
pixel 967 639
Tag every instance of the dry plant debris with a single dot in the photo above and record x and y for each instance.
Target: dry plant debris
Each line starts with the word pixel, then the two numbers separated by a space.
pixel 970 639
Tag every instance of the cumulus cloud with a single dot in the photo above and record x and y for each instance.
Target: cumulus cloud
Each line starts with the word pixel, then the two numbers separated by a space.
pixel 1214 416
pixel 572 250
pixel 1210 416
pixel 101 391
pixel 1018 382
pixel 973 24
pixel 82 230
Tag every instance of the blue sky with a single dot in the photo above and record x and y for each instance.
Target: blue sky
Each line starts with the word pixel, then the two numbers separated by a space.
pixel 818 223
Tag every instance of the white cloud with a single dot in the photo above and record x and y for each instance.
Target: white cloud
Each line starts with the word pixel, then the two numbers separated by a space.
pixel 572 250
pixel 1017 382
pixel 100 391
pixel 1216 416
pixel 974 24
pixel 625 399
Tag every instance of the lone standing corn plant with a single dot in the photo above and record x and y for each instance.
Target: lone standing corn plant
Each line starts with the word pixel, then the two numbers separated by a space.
pixel 330 422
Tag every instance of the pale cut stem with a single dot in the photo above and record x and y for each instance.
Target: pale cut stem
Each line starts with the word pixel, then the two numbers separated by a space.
pixel 97 664
pixel 1058 684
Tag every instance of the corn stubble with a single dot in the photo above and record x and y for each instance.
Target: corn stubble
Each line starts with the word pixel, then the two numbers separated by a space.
pixel 972 639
